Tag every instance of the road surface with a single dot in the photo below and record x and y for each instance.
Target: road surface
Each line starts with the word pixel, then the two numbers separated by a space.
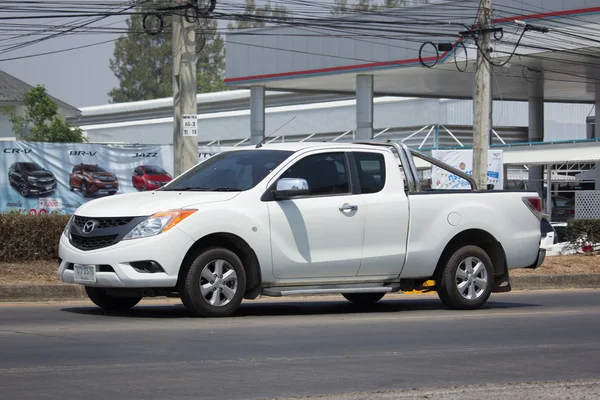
pixel 292 348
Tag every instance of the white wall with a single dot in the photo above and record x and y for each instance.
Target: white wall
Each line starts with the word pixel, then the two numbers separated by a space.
pixel 562 121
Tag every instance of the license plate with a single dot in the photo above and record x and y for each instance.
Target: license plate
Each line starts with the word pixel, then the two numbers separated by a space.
pixel 108 186
pixel 85 273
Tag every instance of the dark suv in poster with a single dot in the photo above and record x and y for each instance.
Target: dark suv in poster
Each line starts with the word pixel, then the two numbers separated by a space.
pixel 92 179
pixel 31 179
pixel 149 177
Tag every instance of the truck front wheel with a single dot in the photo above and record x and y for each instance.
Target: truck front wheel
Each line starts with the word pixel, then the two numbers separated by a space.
pixel 110 303
pixel 214 283
pixel 466 281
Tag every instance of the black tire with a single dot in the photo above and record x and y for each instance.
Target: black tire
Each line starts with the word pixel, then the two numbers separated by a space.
pixel 84 189
pixel 363 298
pixel 192 279
pixel 447 281
pixel 110 303
pixel 144 188
pixel 71 188
pixel 23 189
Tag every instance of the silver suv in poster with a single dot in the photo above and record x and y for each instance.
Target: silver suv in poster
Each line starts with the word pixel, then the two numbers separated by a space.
pixel 31 179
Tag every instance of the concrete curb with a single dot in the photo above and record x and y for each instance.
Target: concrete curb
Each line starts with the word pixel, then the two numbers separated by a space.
pixel 63 292
pixel 41 293
pixel 541 282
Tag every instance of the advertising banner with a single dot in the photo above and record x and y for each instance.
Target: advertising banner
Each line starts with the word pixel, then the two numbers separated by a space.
pixel 463 160
pixel 42 178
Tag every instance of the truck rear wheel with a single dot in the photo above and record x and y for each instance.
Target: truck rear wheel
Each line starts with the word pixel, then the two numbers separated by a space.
pixel 363 298
pixel 214 283
pixel 466 281
pixel 110 303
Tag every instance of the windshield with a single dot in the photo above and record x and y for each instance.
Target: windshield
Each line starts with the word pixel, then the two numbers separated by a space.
pixel 154 170
pixel 93 168
pixel 232 170
pixel 31 167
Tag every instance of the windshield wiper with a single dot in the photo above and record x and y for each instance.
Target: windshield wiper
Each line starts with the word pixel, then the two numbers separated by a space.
pixel 203 189
pixel 225 189
pixel 187 189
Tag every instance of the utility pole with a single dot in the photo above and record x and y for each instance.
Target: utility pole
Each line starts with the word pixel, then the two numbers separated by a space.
pixel 185 118
pixel 482 98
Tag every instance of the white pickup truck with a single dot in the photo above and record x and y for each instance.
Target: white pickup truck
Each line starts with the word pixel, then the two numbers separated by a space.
pixel 301 218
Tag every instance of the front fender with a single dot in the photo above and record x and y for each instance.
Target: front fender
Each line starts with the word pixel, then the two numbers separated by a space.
pixel 235 218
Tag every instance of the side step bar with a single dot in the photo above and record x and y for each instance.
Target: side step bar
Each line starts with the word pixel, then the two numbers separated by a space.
pixel 330 289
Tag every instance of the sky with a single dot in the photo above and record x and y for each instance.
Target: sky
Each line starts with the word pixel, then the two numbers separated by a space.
pixel 81 77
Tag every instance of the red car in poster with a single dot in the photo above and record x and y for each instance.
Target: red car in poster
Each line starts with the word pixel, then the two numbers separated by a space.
pixel 149 177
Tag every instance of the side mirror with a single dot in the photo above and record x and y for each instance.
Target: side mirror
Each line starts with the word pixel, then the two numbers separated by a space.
pixel 288 188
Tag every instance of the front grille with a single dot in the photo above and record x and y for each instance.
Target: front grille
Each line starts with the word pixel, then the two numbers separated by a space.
pixel 46 180
pixel 92 243
pixel 103 222
pixel 106 178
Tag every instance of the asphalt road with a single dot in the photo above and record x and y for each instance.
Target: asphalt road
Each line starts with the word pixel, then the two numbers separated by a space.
pixel 286 348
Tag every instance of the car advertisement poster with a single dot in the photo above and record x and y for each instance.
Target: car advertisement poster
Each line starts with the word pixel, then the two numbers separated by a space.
pixel 43 178
pixel 463 160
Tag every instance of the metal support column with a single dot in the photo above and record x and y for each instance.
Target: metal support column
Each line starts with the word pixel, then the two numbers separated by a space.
pixel 364 107
pixel 595 134
pixel 549 189
pixel 536 131
pixel 257 114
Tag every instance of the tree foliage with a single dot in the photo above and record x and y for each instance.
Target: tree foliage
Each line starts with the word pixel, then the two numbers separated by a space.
pixel 343 7
pixel 143 63
pixel 41 122
pixel 255 16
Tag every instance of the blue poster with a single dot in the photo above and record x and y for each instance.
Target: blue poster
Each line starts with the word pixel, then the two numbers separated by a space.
pixel 43 178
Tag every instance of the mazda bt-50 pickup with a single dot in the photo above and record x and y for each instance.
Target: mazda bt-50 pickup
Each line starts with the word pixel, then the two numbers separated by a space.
pixel 301 218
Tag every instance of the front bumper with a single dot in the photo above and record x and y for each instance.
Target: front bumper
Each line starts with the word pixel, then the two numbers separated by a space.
pixel 97 186
pixel 41 188
pixel 167 249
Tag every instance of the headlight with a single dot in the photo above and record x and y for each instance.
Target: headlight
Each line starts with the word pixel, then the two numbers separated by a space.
pixel 66 231
pixel 158 223
pixel 32 179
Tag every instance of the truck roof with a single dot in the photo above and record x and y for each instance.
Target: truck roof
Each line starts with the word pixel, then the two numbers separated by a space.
pixel 297 146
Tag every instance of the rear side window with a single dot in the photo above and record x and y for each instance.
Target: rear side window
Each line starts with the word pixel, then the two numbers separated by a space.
pixel 371 171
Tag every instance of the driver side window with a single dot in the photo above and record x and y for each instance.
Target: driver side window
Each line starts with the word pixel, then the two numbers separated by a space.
pixel 325 173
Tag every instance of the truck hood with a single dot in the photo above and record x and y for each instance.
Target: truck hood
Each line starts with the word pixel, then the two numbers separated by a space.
pixel 148 203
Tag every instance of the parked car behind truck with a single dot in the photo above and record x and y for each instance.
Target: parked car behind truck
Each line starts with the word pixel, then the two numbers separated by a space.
pixel 302 218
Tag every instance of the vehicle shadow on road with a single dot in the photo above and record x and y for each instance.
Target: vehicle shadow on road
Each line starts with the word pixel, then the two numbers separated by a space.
pixel 294 308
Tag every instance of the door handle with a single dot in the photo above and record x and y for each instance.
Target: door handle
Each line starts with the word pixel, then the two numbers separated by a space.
pixel 348 207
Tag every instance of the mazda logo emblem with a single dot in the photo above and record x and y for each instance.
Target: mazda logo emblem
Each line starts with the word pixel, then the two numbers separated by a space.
pixel 89 227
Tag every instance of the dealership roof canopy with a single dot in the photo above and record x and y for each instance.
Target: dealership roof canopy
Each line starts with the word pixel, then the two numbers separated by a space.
pixel 327 55
pixel 545 154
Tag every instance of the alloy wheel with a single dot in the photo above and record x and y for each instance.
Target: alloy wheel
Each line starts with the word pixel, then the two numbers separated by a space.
pixel 471 278
pixel 218 283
